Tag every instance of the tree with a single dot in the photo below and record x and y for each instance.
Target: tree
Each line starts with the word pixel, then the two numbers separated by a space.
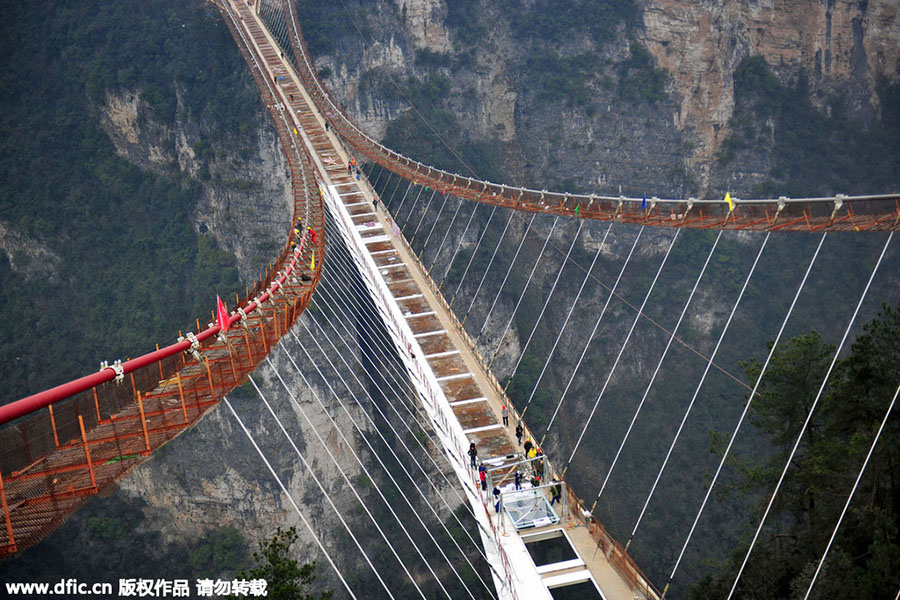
pixel 285 576
pixel 864 561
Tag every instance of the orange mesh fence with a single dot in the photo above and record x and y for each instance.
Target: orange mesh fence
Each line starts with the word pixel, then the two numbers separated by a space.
pixel 839 213
pixel 52 460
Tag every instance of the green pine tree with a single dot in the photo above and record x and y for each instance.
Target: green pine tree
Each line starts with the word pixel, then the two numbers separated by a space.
pixel 285 576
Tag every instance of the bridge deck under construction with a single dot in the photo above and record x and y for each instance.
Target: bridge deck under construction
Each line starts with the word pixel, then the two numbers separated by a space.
pixel 473 393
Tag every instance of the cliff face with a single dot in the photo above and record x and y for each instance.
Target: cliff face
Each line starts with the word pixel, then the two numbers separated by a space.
pixel 841 47
pixel 246 195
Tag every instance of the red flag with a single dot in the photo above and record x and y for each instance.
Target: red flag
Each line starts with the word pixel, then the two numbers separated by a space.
pixel 222 315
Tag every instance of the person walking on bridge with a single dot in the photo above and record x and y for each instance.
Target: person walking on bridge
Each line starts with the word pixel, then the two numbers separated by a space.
pixel 555 492
pixel 504 412
pixel 519 432
pixel 473 454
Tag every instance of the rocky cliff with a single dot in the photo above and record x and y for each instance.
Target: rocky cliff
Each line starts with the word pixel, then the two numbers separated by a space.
pixel 573 105
pixel 843 48
pixel 245 202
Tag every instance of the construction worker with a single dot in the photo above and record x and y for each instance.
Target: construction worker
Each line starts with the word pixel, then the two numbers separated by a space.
pixel 555 492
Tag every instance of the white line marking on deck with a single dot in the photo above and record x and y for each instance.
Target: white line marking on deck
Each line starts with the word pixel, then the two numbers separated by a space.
pixel 427 333
pixel 458 376
pixel 440 354
pixel 485 428
pixel 470 401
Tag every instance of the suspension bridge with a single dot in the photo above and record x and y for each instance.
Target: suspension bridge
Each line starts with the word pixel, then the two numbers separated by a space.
pixel 538 538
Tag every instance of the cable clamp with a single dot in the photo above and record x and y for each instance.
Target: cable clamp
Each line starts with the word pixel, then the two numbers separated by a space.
pixel 687 209
pixel 194 348
pixel 116 367
pixel 838 203
pixel 243 317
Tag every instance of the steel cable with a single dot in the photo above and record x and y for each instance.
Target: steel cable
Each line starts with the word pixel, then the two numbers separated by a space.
pixel 810 413
pixel 565 322
pixel 290 499
pixel 591 336
pixel 659 363
pixel 615 364
pixel 749 402
pixel 522 295
pixel 690 406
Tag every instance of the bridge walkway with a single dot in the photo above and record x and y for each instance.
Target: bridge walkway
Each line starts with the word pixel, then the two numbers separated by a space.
pixel 54 459
pixel 473 393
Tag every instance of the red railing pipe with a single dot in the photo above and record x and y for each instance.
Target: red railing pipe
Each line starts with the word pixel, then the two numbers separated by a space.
pixel 30 404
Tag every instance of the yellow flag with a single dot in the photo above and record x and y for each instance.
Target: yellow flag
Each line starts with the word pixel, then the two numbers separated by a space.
pixel 729 202
pixel 295 131
pixel 312 261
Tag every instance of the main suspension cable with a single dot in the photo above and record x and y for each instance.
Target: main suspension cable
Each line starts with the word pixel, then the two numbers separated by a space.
pixel 609 376
pixel 290 499
pixel 690 406
pixel 472 172
pixel 749 402
pixel 810 413
pixel 659 363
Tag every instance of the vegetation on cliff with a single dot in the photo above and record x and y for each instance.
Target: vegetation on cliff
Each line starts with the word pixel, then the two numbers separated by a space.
pixel 131 270
pixel 811 150
pixel 864 561
pixel 286 577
